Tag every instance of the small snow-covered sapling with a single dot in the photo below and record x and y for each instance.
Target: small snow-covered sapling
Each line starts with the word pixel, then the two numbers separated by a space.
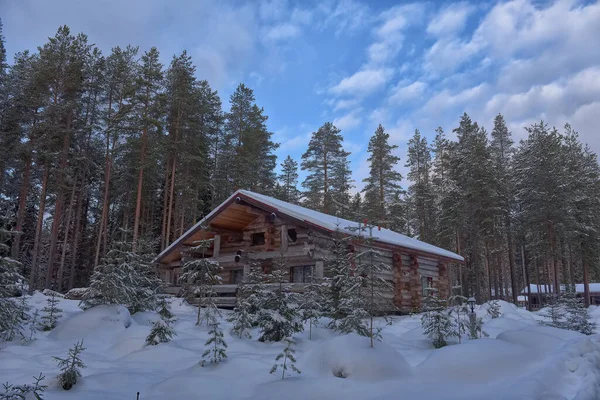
pixel 216 348
pixel 22 392
pixel 161 332
pixel 494 309
pixel 51 313
pixel 286 358
pixel 70 366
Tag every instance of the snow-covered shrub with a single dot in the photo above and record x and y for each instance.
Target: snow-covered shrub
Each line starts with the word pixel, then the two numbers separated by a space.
pixel 125 278
pixel 435 321
pixel 51 313
pixel 278 313
pixel 23 392
pixel 286 358
pixel 70 366
pixel 163 308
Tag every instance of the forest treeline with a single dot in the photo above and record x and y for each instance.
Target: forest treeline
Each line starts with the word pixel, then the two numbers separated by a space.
pixel 99 149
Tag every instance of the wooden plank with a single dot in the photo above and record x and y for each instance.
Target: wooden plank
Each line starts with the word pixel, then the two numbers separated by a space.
pixel 216 246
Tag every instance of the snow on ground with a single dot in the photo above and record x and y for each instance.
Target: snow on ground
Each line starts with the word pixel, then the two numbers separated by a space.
pixel 519 360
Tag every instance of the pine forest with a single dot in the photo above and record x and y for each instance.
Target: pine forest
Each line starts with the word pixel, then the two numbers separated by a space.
pixel 101 150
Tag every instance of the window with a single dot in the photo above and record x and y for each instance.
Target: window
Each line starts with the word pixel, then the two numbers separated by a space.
pixel 258 239
pixel 237 275
pixel 302 274
pixel 427 286
pixel 292 235
pixel 176 279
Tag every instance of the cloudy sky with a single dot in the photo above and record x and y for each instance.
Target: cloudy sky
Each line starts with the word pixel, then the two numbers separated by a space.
pixel 404 65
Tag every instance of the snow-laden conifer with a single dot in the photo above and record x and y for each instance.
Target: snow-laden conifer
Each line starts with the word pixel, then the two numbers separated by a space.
pixel 51 313
pixel 161 332
pixel 24 392
pixel 494 309
pixel 70 366
pixel 125 278
pixel 286 359
pixel 310 302
pixel 435 321
pixel 577 316
pixel 199 276
pixel 459 315
pixel 278 314
pixel 243 317
pixel 216 348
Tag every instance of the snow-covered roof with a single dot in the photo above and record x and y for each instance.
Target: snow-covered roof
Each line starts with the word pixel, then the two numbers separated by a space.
pixel 594 287
pixel 324 221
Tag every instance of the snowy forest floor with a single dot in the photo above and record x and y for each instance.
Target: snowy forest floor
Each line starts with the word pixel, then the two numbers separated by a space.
pixel 520 360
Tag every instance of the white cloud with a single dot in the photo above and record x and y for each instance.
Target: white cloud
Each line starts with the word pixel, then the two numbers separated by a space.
pixel 363 82
pixel 345 16
pixel 349 121
pixel 451 20
pixel 343 104
pixel 284 31
pixel 402 93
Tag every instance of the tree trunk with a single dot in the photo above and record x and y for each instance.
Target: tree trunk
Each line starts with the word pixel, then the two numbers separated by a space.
pixel 526 275
pixel 163 242
pixel 102 229
pixel 78 230
pixel 58 209
pixel 511 260
pixel 63 256
pixel 488 269
pixel 138 201
pixel 38 230
pixel 172 185
pixel 16 247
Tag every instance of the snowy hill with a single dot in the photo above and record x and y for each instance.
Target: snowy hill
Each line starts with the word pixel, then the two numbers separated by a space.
pixel 520 360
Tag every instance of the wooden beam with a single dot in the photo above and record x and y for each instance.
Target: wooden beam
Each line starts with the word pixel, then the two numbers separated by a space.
pixel 216 246
pixel 284 237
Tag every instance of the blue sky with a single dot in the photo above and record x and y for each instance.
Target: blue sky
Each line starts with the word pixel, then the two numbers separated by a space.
pixel 360 63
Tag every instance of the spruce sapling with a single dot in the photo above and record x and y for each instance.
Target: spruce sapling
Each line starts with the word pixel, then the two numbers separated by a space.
pixel 161 332
pixel 51 313
pixel 554 312
pixel 283 357
pixel 435 321
pixel 494 309
pixel 163 309
pixel 459 311
pixel 216 350
pixel 244 314
pixel 70 366
pixel 23 392
pixel 578 318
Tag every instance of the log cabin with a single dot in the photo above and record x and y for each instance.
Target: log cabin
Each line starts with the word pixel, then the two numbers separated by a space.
pixel 251 228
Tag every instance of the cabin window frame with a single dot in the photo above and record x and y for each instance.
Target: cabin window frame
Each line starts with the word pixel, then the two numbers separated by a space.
pixel 308 272
pixel 427 286
pixel 292 235
pixel 258 239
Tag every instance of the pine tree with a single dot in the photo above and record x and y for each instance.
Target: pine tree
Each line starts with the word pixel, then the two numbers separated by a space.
pixel 494 309
pixel 163 308
pixel 278 314
pixel 435 321
pixel 383 182
pixel 421 190
pixel 344 303
pixel 458 312
pixel 244 315
pixel 123 278
pixel 216 351
pixel 51 313
pixel 23 392
pixel 13 313
pixel 70 366
pixel 311 303
pixel 200 275
pixel 578 319
pixel 248 160
pixel 161 332
pixel 370 267
pixel 285 358
pixel 327 182
pixel 554 312
pixel 288 180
